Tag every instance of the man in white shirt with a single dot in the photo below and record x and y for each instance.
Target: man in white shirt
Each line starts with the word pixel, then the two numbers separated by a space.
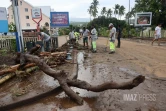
pixel 86 33
pixel 157 34
pixel 45 38
pixel 112 38
pixel 94 38
pixel 71 37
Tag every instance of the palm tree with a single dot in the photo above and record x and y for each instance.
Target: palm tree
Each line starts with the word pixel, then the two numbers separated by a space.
pixel 90 11
pixel 131 13
pixel 117 6
pixel 121 11
pixel 95 4
pixel 103 11
pixel 109 13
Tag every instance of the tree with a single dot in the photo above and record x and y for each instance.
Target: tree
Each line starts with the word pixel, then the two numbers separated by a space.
pixel 103 11
pixel 116 9
pixel 12 27
pixel 157 7
pixel 90 11
pixel 94 5
pixel 121 11
pixel 109 13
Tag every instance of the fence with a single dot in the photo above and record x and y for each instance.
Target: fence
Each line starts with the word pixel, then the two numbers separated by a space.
pixel 6 41
pixel 34 39
pixel 150 33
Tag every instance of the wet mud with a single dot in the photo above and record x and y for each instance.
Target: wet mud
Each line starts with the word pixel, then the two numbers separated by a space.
pixel 128 62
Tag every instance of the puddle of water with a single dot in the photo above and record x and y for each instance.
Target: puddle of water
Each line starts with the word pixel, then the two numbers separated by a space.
pixel 94 75
pixel 48 81
pixel 80 58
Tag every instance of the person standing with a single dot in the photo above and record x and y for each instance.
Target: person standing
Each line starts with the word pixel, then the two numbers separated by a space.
pixel 76 34
pixel 94 38
pixel 71 37
pixel 112 38
pixel 157 34
pixel 45 38
pixel 55 39
pixel 119 33
pixel 86 33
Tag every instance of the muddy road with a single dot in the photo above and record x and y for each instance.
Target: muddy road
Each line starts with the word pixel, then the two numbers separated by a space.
pixel 132 59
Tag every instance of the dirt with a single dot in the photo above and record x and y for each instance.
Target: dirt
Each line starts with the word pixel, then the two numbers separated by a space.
pixel 132 59
pixel 7 59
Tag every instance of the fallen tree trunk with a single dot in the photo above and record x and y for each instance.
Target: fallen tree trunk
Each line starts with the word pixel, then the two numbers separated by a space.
pixel 65 82
pixel 26 72
pixel 52 54
pixel 15 67
pixel 7 77
pixel 18 73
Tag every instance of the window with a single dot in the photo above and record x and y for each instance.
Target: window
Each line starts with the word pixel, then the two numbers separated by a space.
pixel 26 9
pixel 27 17
pixel 12 16
pixel 20 2
pixel 28 24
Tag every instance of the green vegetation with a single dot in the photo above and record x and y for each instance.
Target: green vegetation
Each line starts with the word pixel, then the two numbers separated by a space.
pixel 12 27
pixel 13 45
pixel 157 7
pixel 101 24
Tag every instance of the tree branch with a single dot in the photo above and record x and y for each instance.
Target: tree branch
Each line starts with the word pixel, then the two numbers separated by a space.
pixel 43 66
pixel 105 86
pixel 64 82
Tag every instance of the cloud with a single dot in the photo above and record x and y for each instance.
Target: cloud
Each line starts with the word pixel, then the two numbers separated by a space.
pixel 76 8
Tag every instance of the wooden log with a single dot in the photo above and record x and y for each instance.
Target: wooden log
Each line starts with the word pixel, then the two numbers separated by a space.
pixel 14 68
pixel 18 73
pixel 52 54
pixel 26 72
pixel 7 77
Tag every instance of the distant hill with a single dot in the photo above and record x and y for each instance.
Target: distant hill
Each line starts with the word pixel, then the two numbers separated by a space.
pixel 79 23
pixel 79 20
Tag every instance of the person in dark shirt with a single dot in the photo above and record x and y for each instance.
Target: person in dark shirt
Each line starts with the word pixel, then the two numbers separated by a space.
pixel 119 32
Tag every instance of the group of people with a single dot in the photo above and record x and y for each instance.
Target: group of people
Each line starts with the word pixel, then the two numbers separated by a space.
pixel 87 35
pixel 92 35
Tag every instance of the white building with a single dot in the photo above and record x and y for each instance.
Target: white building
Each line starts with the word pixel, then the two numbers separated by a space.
pixel 26 18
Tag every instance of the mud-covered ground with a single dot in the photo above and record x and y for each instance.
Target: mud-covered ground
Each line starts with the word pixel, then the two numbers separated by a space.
pixel 132 59
pixel 7 59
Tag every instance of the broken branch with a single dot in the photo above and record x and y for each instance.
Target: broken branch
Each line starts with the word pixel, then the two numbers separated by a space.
pixel 61 76
pixel 105 86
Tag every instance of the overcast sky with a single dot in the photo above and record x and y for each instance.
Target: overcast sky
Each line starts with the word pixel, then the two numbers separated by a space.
pixel 76 8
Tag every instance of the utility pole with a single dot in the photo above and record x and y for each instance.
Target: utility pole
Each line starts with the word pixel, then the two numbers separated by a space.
pixel 129 19
pixel 16 14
